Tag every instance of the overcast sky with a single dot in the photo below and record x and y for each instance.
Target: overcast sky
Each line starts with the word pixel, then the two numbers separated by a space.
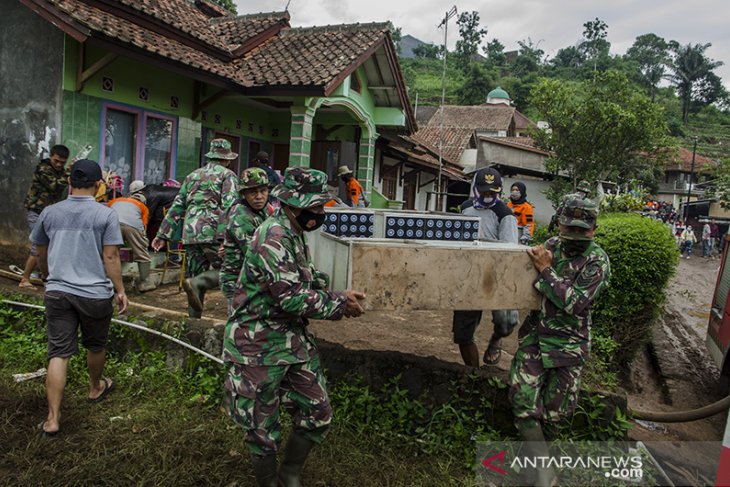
pixel 553 24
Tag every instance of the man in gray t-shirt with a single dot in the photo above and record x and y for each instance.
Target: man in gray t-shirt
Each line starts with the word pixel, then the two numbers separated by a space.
pixel 77 241
pixel 497 223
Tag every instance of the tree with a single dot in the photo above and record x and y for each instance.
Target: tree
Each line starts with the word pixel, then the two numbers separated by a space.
pixel 227 4
pixel 651 52
pixel 529 58
pixel 477 84
pixel 690 68
pixel 471 37
pixel 568 57
pixel 396 34
pixel 599 130
pixel 720 187
pixel 595 44
pixel 428 51
pixel 494 50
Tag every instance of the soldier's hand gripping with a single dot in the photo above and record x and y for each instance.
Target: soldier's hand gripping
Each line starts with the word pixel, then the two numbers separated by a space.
pixel 541 257
pixel 353 308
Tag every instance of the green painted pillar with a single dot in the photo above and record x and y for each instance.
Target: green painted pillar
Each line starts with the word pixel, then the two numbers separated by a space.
pixel 300 143
pixel 366 162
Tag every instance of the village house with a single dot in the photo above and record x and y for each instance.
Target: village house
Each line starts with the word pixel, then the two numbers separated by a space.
pixel 148 84
pixel 494 134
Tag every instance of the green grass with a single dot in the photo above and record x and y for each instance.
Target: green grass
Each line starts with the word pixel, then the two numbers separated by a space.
pixel 163 426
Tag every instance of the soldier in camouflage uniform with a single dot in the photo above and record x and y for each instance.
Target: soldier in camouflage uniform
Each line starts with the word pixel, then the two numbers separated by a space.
pixel 205 195
pixel 239 224
pixel 554 342
pixel 271 355
pixel 49 186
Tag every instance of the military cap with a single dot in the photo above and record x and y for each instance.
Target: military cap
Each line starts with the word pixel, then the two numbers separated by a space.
pixel 253 177
pixel 302 188
pixel 584 187
pixel 220 149
pixel 578 212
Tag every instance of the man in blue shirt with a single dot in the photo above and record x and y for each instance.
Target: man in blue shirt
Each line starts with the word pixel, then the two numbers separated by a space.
pixel 77 241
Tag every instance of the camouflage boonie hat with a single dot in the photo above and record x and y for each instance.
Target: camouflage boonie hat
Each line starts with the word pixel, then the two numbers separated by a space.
pixel 584 187
pixel 220 149
pixel 253 177
pixel 302 188
pixel 578 212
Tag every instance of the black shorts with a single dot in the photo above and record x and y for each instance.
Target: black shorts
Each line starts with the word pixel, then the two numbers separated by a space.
pixel 65 312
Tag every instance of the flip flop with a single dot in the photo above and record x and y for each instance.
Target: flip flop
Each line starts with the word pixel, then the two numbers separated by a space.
pixel 15 269
pixel 45 434
pixel 27 285
pixel 109 385
pixel 490 358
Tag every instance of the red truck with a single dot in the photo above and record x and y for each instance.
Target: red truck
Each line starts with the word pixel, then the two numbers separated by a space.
pixel 718 329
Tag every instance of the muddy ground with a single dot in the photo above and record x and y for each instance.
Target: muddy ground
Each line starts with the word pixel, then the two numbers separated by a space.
pixel 677 375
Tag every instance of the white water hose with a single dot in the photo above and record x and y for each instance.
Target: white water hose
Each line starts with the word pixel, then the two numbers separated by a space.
pixel 137 327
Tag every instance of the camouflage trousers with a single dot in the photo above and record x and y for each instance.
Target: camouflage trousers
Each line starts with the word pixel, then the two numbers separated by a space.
pixel 200 258
pixel 539 394
pixel 256 392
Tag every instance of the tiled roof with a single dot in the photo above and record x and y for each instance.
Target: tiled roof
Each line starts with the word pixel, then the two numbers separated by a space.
pixel 455 140
pixel 419 154
pixel 235 31
pixel 134 35
pixel 181 15
pixel 476 117
pixel 312 56
pixel 680 159
pixel 522 122
pixel 522 143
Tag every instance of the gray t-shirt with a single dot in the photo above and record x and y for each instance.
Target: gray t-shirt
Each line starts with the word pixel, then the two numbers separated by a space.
pixel 491 228
pixel 76 231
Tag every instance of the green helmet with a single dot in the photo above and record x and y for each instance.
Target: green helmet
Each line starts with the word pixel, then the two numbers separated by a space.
pixel 584 187
pixel 253 177
pixel 302 188
pixel 578 212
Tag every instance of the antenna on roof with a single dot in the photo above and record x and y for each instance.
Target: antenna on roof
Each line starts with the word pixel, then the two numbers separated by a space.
pixel 286 9
pixel 445 23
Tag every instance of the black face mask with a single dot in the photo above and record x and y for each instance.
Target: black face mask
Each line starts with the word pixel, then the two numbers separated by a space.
pixel 309 220
pixel 574 243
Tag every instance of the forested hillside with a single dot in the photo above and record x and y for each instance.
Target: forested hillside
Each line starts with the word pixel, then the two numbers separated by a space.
pixel 679 79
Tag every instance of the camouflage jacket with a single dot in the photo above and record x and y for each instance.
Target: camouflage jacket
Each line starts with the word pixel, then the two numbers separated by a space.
pixel 278 291
pixel 239 223
pixel 204 197
pixel 48 187
pixel 569 288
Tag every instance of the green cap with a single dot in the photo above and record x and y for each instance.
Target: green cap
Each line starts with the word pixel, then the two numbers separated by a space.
pixel 253 177
pixel 220 149
pixel 584 187
pixel 302 188
pixel 578 212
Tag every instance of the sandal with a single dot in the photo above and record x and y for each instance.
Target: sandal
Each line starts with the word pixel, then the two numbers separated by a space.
pixel 108 387
pixel 43 433
pixel 493 352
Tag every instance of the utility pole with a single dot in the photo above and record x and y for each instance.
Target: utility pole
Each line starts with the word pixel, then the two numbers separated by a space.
pixel 445 23
pixel 689 188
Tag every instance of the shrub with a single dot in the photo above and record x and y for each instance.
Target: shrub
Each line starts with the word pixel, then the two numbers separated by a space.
pixel 643 258
pixel 622 203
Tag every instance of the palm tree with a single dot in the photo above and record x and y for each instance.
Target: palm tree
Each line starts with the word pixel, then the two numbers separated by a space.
pixel 690 66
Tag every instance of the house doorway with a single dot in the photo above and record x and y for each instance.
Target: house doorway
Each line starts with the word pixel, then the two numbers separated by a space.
pixel 235 147
pixel 281 157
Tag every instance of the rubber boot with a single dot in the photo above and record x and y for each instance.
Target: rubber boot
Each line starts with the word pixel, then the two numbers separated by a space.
pixel 144 283
pixel 194 302
pixel 535 446
pixel 194 313
pixel 295 454
pixel 264 468
pixel 209 279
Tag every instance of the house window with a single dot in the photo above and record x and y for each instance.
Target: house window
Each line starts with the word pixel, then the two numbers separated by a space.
pixel 138 144
pixel 389 185
pixel 355 83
